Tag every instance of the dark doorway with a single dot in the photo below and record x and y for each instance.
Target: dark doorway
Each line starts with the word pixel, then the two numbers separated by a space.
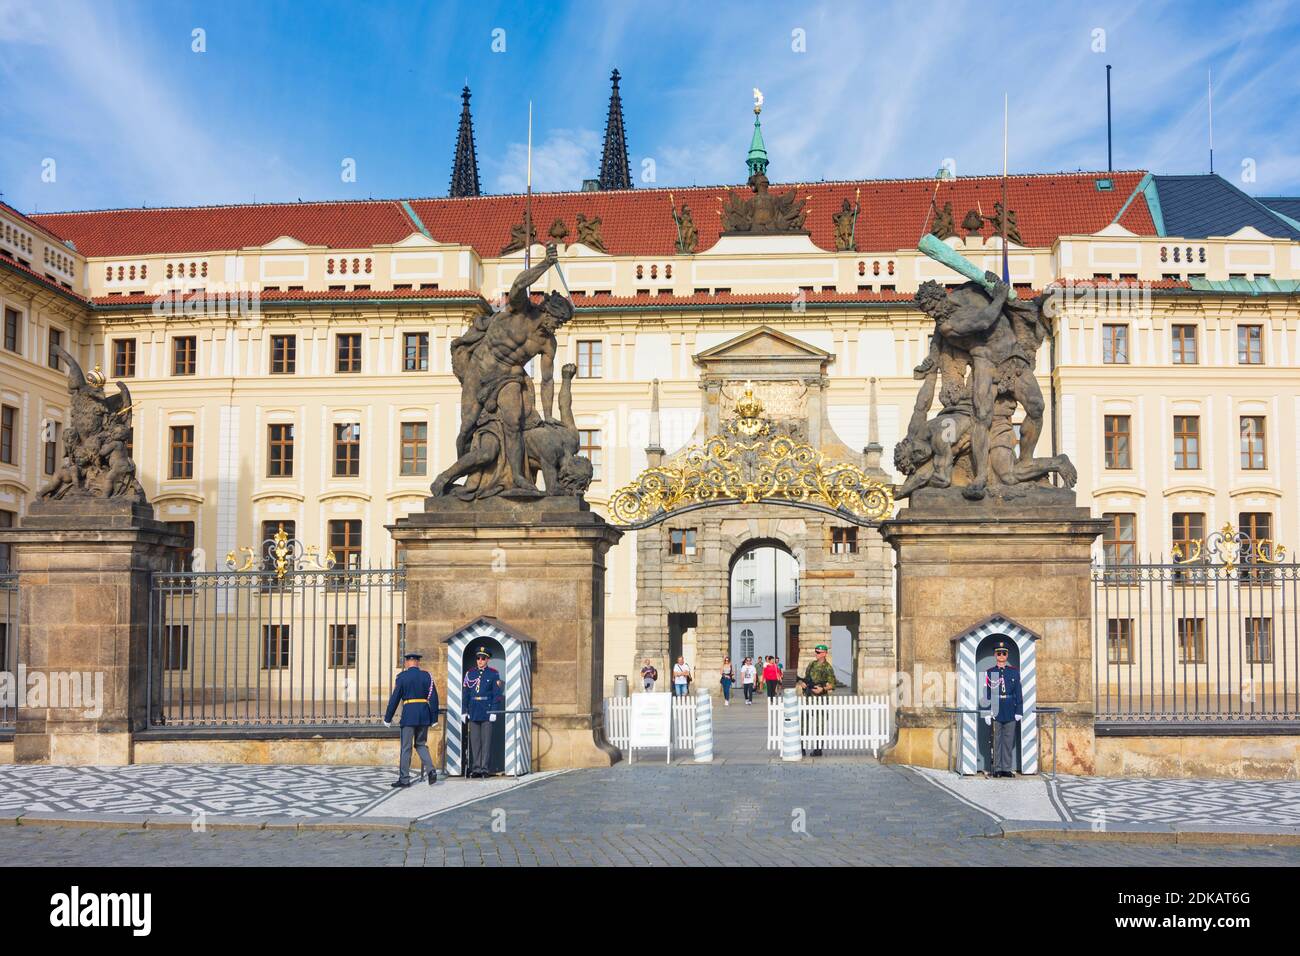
pixel 983 661
pixel 498 661
pixel 844 647
pixel 678 625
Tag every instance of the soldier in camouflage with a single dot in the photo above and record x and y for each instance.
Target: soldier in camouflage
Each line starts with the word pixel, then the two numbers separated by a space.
pixel 819 681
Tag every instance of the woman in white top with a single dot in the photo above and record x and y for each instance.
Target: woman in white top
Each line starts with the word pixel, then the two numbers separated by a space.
pixel 748 674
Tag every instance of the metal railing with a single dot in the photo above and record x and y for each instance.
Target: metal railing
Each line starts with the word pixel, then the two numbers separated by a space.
pixel 260 648
pixel 9 650
pixel 1198 645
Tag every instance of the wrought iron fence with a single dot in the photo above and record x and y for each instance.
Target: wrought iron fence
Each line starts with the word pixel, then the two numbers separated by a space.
pixel 280 645
pixel 1209 641
pixel 9 650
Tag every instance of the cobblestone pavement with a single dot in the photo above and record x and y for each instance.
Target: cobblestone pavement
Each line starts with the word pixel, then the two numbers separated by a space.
pixel 647 815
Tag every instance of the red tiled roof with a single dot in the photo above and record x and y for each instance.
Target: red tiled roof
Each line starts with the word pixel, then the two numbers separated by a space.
pixel 310 295
pixel 132 232
pixel 30 223
pixel 639 221
pixel 633 222
pixel 782 299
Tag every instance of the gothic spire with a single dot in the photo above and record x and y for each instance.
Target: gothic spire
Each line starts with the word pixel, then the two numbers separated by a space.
pixel 464 169
pixel 615 172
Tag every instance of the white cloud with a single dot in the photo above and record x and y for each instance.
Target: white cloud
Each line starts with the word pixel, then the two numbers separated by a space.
pixel 560 162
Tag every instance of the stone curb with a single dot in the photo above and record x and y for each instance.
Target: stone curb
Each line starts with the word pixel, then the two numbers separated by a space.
pixel 140 821
pixel 1203 834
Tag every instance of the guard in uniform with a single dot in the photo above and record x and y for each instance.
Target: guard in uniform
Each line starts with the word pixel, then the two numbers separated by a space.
pixel 414 690
pixel 481 694
pixel 1006 708
pixel 819 681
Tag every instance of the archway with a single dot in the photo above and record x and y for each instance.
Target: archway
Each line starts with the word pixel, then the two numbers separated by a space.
pixel 763 588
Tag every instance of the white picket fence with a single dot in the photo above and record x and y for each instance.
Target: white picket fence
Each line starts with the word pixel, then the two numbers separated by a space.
pixel 834 723
pixel 618 721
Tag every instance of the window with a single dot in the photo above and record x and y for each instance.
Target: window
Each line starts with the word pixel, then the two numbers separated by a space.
pixel 415 352
pixel 182 451
pixel 1250 345
pixel 1258 526
pixel 124 358
pixel 1186 535
pixel 746 592
pixel 1259 640
pixel 1191 640
pixel 176 647
pixel 415 448
pixel 13 330
pixel 746 643
pixel 343 645
pixel 6 521
pixel 52 448
pixel 284 354
pixel 1187 441
pixel 279 450
pixel 1252 442
pixel 1118 433
pixel 844 540
pixel 1119 640
pixel 589 446
pixel 681 541
pixel 8 434
pixel 1114 344
pixel 275 646
pixel 1119 540
pixel 181 557
pixel 589 359
pixel 349 352
pixel 1184 339
pixel 184 355
pixel 347 450
pixel 52 357
pixel 345 542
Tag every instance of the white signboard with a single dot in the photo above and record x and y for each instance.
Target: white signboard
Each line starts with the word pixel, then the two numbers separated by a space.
pixel 651 721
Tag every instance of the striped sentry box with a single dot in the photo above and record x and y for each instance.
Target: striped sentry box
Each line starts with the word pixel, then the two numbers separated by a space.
pixel 703 727
pixel 519 694
pixel 969 686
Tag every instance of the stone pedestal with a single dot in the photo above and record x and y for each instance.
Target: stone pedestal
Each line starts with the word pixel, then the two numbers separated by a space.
pixel 83 579
pixel 958 563
pixel 537 565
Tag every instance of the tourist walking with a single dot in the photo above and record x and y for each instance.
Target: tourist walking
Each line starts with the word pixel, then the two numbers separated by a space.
pixel 681 678
pixel 748 674
pixel 728 674
pixel 772 677
pixel 649 674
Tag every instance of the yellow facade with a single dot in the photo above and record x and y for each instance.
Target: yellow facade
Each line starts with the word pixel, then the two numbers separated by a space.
pixel 231 399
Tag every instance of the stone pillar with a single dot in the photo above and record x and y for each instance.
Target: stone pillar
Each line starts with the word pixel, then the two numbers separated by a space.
pixel 537 565
pixel 83 589
pixel 960 562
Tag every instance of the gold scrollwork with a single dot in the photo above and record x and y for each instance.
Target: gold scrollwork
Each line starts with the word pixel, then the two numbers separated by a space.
pixel 1230 548
pixel 284 554
pixel 749 472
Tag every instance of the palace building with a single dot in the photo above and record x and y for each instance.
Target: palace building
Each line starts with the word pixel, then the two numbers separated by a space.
pixel 289 364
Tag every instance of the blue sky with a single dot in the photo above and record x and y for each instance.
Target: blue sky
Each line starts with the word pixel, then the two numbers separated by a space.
pixel 285 92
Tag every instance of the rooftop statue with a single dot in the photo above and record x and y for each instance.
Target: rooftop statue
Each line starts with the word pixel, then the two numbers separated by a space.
pixel 846 221
pixel 504 441
pixel 589 233
pixel 96 442
pixel 763 213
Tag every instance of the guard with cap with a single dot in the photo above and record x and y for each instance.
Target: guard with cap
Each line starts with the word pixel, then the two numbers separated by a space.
pixel 482 694
pixel 819 681
pixel 415 691
pixel 1006 708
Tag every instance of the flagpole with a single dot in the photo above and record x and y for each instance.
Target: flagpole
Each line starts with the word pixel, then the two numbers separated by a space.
pixel 528 201
pixel 1006 264
pixel 1209 82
